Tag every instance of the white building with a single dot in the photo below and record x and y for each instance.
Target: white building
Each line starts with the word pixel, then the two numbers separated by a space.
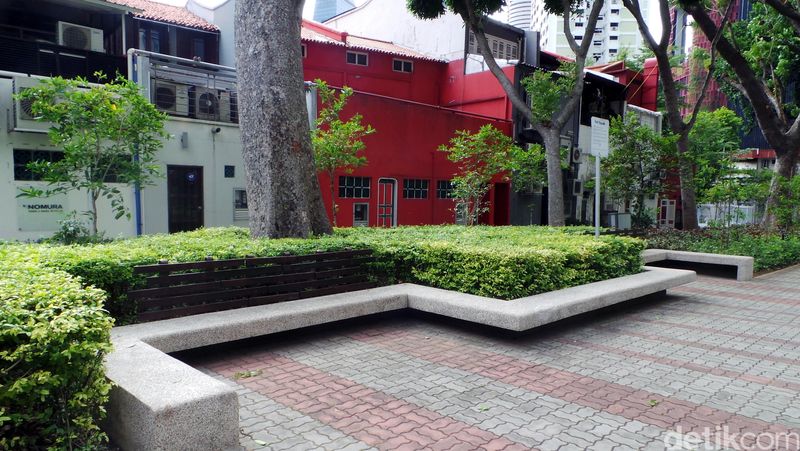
pixel 616 30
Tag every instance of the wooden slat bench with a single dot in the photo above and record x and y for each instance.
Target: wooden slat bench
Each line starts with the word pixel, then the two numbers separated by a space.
pixel 181 289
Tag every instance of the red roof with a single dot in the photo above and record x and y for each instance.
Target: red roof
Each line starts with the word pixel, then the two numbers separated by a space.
pixel 317 32
pixel 167 13
pixel 755 154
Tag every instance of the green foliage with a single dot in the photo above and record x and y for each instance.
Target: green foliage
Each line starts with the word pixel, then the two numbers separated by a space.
pixel 109 133
pixel 480 157
pixel 547 90
pixel 713 144
pixel 501 262
pixel 336 142
pixel 770 250
pixel 787 203
pixel 52 343
pixel 633 167
pixel 431 9
pixel 505 262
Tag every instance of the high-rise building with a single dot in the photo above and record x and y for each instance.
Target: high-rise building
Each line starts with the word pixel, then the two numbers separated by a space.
pixel 519 14
pixel 325 9
pixel 616 28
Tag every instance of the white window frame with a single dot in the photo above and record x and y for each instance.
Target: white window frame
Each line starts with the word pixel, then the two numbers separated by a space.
pixel 402 65
pixel 366 57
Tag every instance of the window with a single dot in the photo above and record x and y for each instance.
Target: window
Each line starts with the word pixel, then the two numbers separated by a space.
pixel 612 51
pixel 357 58
pixel 354 187
pixel 614 38
pixel 155 41
pixel 198 49
pixel 402 66
pixel 360 215
pixel 415 189
pixel 597 43
pixel 599 17
pixel 303 50
pixel 230 172
pixel 579 37
pixel 597 30
pixel 614 24
pixel 150 40
pixel 240 211
pixel 615 11
pixel 578 24
pixel 240 199
pixel 23 156
pixel 444 189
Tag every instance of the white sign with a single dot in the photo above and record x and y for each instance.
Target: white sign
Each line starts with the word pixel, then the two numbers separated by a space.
pixel 41 214
pixel 599 137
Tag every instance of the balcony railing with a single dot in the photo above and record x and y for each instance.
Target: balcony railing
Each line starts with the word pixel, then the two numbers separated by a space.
pixel 39 58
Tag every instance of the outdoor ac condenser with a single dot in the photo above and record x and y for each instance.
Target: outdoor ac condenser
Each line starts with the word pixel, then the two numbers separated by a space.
pixel 80 37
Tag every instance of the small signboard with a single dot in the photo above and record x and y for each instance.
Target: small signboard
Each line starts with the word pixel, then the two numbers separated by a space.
pixel 599 137
pixel 41 214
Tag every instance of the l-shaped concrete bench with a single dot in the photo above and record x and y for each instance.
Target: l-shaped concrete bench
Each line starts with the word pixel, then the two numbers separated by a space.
pixel 744 265
pixel 160 403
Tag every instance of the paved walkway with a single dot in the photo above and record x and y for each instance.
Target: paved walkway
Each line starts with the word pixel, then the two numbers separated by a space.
pixel 716 360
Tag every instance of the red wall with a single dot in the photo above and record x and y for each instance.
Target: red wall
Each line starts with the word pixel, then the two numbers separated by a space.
pixel 328 62
pixel 405 146
pixel 478 93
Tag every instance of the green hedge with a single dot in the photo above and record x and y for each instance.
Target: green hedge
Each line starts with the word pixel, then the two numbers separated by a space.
pixel 502 262
pixel 53 338
pixel 769 250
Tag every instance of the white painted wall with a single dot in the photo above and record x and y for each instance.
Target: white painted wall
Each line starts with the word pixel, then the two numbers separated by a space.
pixel 390 20
pixel 211 151
pixel 221 14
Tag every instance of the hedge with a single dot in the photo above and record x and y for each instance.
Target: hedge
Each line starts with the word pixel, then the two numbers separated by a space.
pixel 769 250
pixel 501 262
pixel 53 338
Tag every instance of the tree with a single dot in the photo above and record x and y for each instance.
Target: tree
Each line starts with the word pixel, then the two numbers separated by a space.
pixel 632 171
pixel 283 191
pixel 480 157
pixel 337 143
pixel 713 144
pixel 680 127
pixel 761 55
pixel 109 134
pixel 547 123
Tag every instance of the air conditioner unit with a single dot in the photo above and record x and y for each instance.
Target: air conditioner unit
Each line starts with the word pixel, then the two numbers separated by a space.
pixel 22 118
pixel 225 106
pixel 206 104
pixel 80 37
pixel 171 98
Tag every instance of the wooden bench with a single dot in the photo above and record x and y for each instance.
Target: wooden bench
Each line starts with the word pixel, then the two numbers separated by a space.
pixel 181 289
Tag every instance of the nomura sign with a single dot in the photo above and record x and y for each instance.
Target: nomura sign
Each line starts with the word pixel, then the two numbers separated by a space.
pixel 41 214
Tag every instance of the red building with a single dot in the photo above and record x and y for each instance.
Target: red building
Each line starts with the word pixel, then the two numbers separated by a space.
pixel 410 101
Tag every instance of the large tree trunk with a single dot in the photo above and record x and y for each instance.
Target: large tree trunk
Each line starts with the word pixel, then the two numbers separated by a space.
pixel 555 181
pixel 283 191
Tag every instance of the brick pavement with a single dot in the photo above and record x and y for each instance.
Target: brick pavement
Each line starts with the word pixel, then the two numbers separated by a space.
pixel 716 359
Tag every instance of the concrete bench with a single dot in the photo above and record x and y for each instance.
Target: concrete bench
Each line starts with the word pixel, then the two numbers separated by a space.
pixel 159 402
pixel 744 265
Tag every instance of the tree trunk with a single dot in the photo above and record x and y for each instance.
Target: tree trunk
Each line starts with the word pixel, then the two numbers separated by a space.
pixel 94 195
pixel 333 197
pixel 283 191
pixel 555 181
pixel 688 194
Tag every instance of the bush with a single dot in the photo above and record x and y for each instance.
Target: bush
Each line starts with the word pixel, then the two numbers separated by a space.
pixel 769 250
pixel 503 262
pixel 52 343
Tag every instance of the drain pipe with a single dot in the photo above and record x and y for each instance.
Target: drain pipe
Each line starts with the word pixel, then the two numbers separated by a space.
pixel 137 189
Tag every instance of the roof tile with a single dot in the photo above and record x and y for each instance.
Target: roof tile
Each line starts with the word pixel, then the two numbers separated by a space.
pixel 167 13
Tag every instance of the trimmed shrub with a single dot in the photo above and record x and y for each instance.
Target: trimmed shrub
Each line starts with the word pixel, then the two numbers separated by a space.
pixel 502 262
pixel 53 338
pixel 769 250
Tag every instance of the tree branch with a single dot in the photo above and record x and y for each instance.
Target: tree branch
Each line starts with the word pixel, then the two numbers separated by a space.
pixel 474 24
pixel 702 96
pixel 787 11
pixel 563 115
